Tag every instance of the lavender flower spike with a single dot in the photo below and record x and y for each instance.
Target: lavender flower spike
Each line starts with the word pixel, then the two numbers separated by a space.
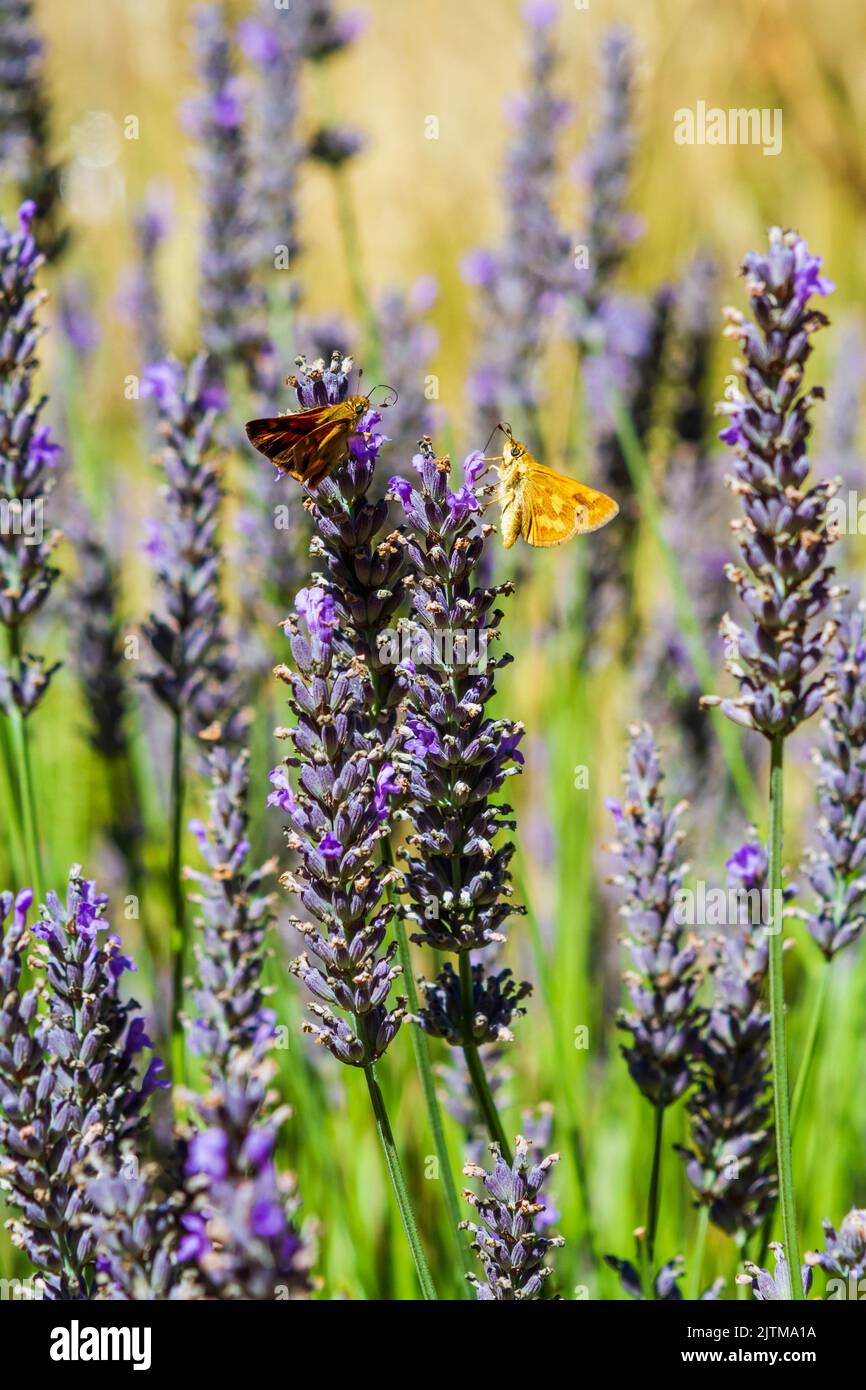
pixel 272 45
pixel 844 1255
pixel 520 280
pixel 28 456
pixel 663 987
pixel 775 1287
pixel 241 1231
pixel 730 1160
pixel 508 1241
pixel 194 672
pixel 784 534
pixel 836 868
pixel 338 814
pixel 233 310
pixel 457 875
pixel 25 153
pixel 607 170
pixel 71 1097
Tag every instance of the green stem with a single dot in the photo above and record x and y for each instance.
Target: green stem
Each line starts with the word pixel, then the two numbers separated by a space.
pixel 398 1182
pixel 11 799
pixel 477 1075
pixel 178 905
pixel 696 1263
pixel 808 1057
pixel 29 819
pixel 347 221
pixel 652 1220
pixel 803 1075
pixel 777 1021
pixel 421 1050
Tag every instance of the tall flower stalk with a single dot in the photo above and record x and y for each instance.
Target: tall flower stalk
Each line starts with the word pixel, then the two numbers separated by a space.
pixel 728 1160
pixel 337 816
pixel 836 865
pixel 518 281
pixel 364 565
pixel 233 309
pixel 241 1229
pixel 193 675
pixel 340 813
pixel 784 580
pixel 99 661
pixel 28 456
pixel 458 880
pixel 663 1021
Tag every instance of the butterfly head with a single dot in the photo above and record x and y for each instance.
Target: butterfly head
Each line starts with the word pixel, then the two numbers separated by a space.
pixel 513 450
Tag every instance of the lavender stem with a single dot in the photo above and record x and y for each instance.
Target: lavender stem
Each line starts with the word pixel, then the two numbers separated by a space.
pixel 777 1020
pixel 696 1263
pixel 24 773
pixel 178 903
pixel 808 1056
pixel 655 1189
pixel 477 1074
pixel 421 1050
pixel 398 1182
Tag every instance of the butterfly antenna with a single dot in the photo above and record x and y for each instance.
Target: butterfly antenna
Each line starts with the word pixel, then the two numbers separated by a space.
pixel 381 385
pixel 489 438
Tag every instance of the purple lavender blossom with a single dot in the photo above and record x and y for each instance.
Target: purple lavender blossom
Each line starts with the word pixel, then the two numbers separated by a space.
pixel 233 315
pixel 71 1099
pixel 836 866
pixel 512 1249
pixel 662 989
pixel 324 32
pixel 194 676
pixel 496 1002
pixel 140 298
pixel 665 1285
pixel 730 1160
pixel 784 536
pixel 336 831
pixel 334 145
pixel 520 280
pixel 458 880
pixel 844 1253
pixel 272 43
pixel 364 563
pixel 775 1287
pixel 28 457
pixel 25 153
pixel 336 824
pixel 77 321
pixel 457 877
pixel 245 1243
pixel 606 170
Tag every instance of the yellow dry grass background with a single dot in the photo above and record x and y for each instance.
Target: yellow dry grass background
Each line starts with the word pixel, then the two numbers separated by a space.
pixel 423 203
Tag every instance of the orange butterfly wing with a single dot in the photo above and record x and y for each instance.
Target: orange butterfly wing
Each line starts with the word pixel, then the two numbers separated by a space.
pixel 306 444
pixel 554 507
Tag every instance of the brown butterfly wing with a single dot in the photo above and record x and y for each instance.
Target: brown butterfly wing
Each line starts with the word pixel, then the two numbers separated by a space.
pixel 555 507
pixel 305 444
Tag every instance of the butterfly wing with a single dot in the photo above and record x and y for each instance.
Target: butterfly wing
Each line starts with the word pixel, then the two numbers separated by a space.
pixel 555 507
pixel 307 443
